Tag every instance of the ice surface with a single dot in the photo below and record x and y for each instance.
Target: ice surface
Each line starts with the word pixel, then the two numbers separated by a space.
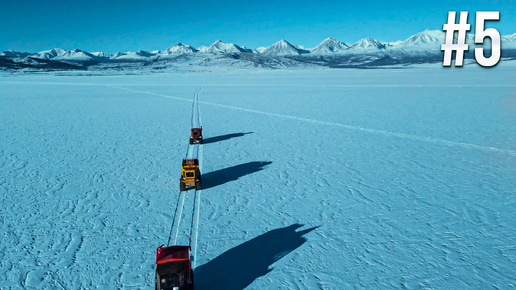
pixel 326 179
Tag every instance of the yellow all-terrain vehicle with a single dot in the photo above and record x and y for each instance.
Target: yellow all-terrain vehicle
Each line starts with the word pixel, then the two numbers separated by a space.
pixel 190 174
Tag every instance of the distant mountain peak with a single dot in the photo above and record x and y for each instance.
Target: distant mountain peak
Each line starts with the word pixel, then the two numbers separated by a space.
pixel 367 51
pixel 330 45
pixel 331 39
pixel 424 41
pixel 179 48
pixel 133 55
pixel 281 48
pixel 368 43
pixel 221 47
pixel 49 54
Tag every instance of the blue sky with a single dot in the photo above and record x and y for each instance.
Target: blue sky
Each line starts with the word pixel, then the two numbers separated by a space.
pixel 115 25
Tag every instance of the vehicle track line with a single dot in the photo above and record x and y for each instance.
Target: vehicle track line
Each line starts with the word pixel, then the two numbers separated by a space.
pixel 193 152
pixel 349 127
pixel 174 218
pixel 195 220
pixel 194 229
pixel 179 215
pixel 199 109
pixel 194 109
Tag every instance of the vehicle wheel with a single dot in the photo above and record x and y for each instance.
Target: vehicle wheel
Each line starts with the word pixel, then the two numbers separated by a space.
pixel 198 186
pixel 182 186
pixel 191 141
pixel 191 286
pixel 201 141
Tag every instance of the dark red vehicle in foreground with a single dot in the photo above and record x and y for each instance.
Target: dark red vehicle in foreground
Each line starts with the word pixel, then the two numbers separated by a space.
pixel 196 135
pixel 173 268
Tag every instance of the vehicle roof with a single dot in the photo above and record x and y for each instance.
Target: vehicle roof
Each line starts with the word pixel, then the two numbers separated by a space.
pixel 190 162
pixel 190 167
pixel 170 268
pixel 172 254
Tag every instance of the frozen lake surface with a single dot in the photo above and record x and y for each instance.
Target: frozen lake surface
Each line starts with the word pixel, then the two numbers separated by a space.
pixel 324 179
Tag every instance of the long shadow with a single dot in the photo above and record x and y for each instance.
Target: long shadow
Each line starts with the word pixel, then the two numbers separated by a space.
pixel 236 268
pixel 223 137
pixel 218 177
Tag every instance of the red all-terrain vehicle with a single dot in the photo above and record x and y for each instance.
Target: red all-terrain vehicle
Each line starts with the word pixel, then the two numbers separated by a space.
pixel 173 268
pixel 196 135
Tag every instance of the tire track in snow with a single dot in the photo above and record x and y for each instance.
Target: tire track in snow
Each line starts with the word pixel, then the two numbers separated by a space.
pixel 177 219
pixel 197 197
pixel 199 121
pixel 195 109
pixel 196 210
pixel 349 127
pixel 193 152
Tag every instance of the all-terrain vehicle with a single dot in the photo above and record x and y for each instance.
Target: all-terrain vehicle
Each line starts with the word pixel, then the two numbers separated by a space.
pixel 173 268
pixel 190 174
pixel 196 135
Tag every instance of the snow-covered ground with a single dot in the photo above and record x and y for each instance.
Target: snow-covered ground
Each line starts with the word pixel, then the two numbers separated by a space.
pixel 324 179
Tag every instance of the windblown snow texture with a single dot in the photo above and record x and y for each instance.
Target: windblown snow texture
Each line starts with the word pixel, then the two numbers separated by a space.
pixel 369 179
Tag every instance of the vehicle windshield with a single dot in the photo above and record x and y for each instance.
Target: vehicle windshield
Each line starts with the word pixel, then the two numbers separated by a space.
pixel 189 174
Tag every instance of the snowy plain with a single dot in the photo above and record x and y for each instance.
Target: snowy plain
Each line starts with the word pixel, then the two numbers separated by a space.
pixel 327 179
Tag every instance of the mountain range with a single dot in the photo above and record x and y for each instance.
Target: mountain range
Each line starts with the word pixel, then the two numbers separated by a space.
pixel 423 47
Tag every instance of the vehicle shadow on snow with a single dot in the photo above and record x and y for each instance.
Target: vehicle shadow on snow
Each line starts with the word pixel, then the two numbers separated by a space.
pixel 223 137
pixel 218 177
pixel 238 267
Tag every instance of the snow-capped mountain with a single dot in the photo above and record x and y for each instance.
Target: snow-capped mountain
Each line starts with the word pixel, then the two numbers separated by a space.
pixel 133 56
pixel 178 49
pixel 101 54
pixel 302 48
pixel 394 43
pixel 75 55
pixel 221 47
pixel 509 41
pixel 281 48
pixel 368 44
pixel 202 48
pixel 330 45
pixel 425 41
pixel 117 55
pixel 510 37
pixel 425 38
pixel 423 47
pixel 260 49
pixel 12 53
pixel 49 54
